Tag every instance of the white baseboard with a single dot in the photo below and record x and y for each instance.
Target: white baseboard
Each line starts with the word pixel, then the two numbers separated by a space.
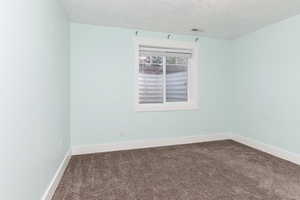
pixel 273 150
pixel 139 144
pixel 57 177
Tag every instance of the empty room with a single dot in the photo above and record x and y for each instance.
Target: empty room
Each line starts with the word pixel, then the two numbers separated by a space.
pixel 150 100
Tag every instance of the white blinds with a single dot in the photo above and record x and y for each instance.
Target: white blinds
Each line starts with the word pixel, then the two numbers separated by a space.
pixel 176 87
pixel 151 88
pixel 163 74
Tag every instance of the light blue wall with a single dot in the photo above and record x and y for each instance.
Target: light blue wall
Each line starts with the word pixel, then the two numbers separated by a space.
pixel 102 89
pixel 267 81
pixel 34 96
pixel 248 86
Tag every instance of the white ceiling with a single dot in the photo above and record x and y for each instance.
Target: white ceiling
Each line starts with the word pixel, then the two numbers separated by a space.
pixel 218 18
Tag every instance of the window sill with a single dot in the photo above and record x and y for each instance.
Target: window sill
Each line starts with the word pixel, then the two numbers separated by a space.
pixel 157 108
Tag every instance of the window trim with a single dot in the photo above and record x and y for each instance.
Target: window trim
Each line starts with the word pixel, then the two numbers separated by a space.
pixel 192 103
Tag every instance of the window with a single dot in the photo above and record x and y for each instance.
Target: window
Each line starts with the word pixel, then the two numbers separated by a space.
pixel 166 73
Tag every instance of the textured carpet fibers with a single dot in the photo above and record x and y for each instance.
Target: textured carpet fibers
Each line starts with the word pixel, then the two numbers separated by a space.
pixel 223 170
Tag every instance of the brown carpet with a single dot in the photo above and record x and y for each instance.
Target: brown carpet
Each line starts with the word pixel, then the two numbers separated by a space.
pixel 223 170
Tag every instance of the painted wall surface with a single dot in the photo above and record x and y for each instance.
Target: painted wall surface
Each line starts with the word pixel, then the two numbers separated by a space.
pixel 248 86
pixel 102 89
pixel 34 96
pixel 267 80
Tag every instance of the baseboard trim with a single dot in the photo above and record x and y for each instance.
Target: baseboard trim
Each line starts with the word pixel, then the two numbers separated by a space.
pixel 57 177
pixel 270 149
pixel 140 144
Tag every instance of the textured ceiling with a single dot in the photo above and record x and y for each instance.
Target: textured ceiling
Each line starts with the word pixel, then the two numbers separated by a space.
pixel 227 19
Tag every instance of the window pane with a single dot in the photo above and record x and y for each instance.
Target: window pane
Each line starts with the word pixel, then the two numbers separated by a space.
pixel 151 79
pixel 176 79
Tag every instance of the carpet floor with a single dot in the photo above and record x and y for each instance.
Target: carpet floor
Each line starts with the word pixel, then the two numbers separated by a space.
pixel 222 170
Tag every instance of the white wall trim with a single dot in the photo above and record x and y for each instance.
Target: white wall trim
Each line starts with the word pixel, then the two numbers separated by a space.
pixel 273 150
pixel 57 177
pixel 140 144
pixel 192 103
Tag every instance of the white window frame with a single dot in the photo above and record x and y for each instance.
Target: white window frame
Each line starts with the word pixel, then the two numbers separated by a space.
pixel 192 102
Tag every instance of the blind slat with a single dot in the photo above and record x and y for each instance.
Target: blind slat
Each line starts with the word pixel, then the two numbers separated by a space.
pixel 176 87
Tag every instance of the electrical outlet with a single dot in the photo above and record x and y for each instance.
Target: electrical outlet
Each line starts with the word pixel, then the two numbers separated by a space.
pixel 121 134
